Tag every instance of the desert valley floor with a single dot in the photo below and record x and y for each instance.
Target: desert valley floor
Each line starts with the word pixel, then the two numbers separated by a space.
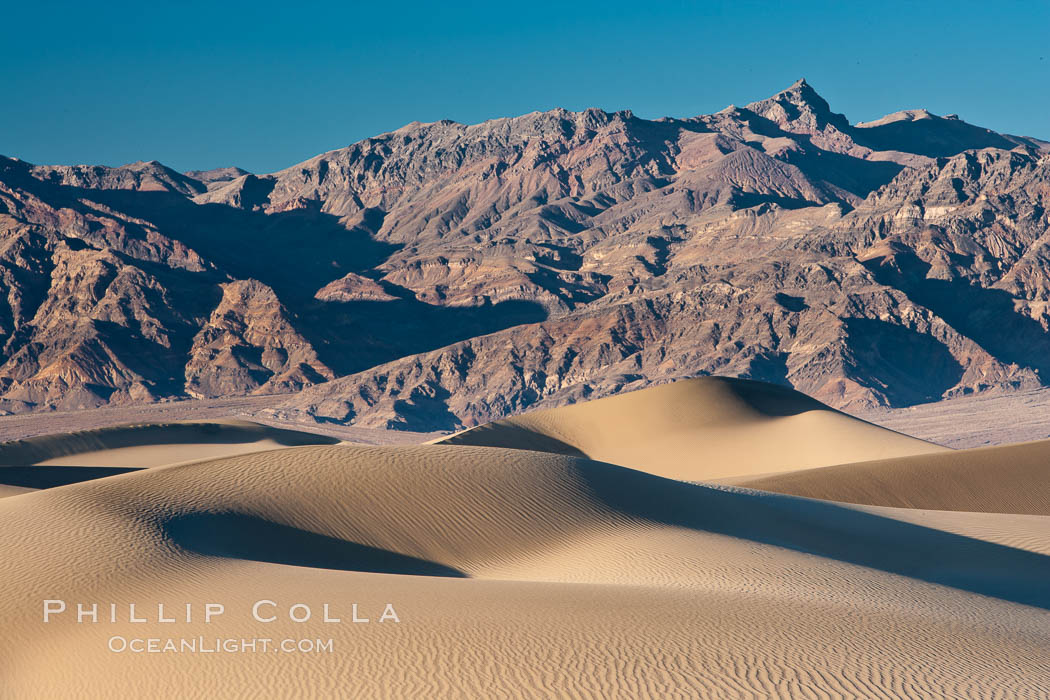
pixel 710 537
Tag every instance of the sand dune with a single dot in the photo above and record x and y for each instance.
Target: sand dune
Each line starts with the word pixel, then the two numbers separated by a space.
pixel 1007 479
pixel 1002 479
pixel 46 461
pixel 700 429
pixel 528 569
pixel 514 574
pixel 11 490
pixel 153 444
pixel 21 479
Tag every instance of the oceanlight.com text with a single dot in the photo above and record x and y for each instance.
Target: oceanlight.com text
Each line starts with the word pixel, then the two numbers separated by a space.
pixel 218 645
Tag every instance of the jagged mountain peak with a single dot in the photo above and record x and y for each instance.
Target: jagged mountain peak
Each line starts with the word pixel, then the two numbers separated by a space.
pixel 800 109
pixel 803 92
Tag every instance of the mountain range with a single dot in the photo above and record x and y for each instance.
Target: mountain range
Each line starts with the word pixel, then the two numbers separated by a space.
pixel 443 275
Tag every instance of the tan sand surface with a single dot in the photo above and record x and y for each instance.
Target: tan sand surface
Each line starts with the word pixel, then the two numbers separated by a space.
pixel 699 429
pixel 515 574
pixel 1001 479
pixel 6 490
pixel 47 461
pixel 153 444
pixel 526 569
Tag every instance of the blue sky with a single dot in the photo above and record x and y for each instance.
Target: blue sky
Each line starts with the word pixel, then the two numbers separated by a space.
pixel 265 85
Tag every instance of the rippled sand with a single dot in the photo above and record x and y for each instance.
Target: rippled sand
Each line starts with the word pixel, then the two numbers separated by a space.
pixel 524 573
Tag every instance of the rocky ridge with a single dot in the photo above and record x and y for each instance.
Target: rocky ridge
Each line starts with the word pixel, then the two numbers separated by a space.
pixel 443 274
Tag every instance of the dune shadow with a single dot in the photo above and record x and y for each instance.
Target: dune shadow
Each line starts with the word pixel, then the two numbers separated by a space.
pixel 513 437
pixel 773 400
pixel 820 528
pixel 829 530
pixel 44 447
pixel 46 477
pixel 241 536
pixel 221 433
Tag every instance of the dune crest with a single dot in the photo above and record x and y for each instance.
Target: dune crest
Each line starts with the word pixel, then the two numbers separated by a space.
pixel 47 461
pixel 1001 479
pixel 645 583
pixel 528 569
pixel 699 429
pixel 153 444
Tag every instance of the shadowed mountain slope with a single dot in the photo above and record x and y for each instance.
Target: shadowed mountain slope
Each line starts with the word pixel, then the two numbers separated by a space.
pixel 443 275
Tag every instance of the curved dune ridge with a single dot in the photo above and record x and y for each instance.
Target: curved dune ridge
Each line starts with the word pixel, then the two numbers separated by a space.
pixel 699 429
pixel 154 444
pixel 1002 479
pixel 514 574
pixel 47 461
pixel 528 569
